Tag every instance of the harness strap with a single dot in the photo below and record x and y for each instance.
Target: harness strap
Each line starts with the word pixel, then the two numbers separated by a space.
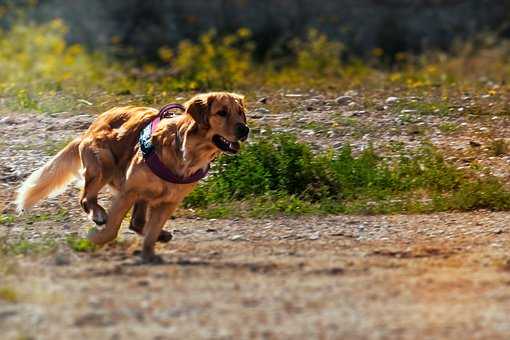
pixel 151 158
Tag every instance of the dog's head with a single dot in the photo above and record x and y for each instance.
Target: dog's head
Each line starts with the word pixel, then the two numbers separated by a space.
pixel 222 116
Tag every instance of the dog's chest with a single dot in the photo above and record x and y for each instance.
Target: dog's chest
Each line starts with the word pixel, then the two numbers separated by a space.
pixel 170 193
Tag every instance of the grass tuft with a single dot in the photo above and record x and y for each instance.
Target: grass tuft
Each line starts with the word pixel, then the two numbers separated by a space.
pixel 24 246
pixel 79 244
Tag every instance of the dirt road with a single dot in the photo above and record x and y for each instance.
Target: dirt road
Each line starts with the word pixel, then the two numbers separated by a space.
pixel 436 276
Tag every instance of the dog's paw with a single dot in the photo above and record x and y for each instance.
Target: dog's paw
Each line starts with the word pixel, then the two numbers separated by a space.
pixel 165 236
pixel 152 259
pixel 101 237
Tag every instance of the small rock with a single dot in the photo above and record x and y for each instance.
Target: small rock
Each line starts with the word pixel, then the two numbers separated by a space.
pixel 236 238
pixel 343 100
pixel 475 144
pixel 391 100
pixel 355 113
pixel 262 110
pixel 262 100
pixel 314 237
pixel 408 112
pixel 8 121
pixel 86 102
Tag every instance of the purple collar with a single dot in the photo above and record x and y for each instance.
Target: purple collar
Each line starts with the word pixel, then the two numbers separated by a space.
pixel 151 158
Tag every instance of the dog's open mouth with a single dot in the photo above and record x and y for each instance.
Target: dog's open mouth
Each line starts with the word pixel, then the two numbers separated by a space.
pixel 225 145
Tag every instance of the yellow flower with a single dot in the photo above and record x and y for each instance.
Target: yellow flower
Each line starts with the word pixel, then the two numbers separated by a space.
pixel 377 52
pixel 165 53
pixel 244 33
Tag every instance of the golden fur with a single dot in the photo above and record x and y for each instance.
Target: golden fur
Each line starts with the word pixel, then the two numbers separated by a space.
pixel 108 154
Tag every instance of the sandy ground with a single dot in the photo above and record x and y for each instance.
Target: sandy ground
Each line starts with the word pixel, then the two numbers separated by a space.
pixel 325 277
pixel 389 277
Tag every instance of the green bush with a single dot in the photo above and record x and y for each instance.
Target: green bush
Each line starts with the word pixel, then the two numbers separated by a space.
pixel 278 174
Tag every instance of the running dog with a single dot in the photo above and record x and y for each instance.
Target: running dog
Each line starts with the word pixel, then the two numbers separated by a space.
pixel 150 160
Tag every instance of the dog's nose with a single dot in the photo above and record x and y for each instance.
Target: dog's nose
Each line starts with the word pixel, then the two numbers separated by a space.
pixel 242 131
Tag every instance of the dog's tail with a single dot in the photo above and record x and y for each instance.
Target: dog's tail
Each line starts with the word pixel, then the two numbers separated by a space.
pixel 51 178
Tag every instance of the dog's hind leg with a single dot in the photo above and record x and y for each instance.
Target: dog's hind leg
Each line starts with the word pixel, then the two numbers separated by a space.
pixel 120 206
pixel 95 178
pixel 139 217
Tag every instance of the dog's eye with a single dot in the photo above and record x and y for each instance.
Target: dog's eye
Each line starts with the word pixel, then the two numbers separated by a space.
pixel 222 113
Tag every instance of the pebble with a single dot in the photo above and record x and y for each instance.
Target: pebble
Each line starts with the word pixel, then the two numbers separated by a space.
pixel 236 238
pixel 391 100
pixel 8 121
pixel 314 237
pixel 355 113
pixel 262 110
pixel 408 112
pixel 343 100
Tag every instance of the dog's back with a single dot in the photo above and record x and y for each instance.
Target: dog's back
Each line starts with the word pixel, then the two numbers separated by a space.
pixel 115 130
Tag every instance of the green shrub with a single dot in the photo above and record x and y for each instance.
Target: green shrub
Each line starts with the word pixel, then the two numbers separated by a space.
pixel 481 194
pixel 278 174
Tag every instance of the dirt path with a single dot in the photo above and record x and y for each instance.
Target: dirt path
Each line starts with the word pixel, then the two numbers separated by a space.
pixel 444 276
pixel 344 277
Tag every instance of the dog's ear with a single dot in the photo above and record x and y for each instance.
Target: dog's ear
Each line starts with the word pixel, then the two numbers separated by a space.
pixel 198 107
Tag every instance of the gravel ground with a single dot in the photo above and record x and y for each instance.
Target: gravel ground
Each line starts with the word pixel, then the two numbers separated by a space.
pixel 329 277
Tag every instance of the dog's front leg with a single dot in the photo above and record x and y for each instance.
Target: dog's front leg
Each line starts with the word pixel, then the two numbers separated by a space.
pixel 158 216
pixel 138 221
pixel 120 206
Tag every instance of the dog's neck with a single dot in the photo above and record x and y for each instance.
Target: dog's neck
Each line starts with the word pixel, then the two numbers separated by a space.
pixel 182 146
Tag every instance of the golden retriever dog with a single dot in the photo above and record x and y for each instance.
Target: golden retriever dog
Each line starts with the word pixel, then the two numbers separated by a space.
pixel 110 153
